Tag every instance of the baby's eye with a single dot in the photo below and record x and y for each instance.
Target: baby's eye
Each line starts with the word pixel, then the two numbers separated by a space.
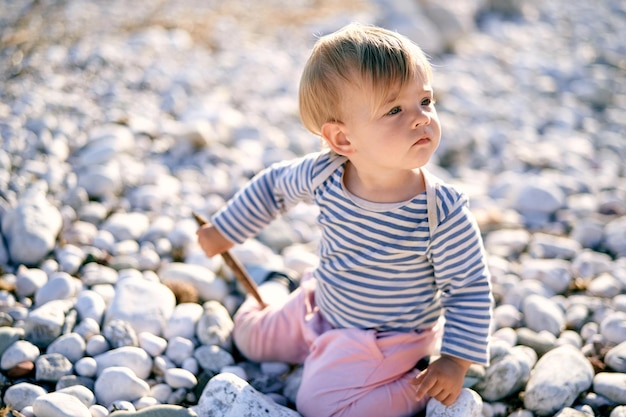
pixel 428 101
pixel 395 110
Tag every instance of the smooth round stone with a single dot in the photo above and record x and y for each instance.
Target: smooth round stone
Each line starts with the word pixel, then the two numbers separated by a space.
pixel 576 316
pixel 71 345
pixel 615 358
pixel 469 404
pixel 70 258
pixel 96 345
pixel 29 281
pixel 191 364
pixel 619 302
pixel 60 404
pixel 589 264
pixel 505 334
pixel 180 378
pixel 553 273
pixel 235 369
pixel 69 381
pixel 98 410
pixel 86 366
pixel 118 383
pixel 127 226
pixel 613 327
pixel 145 402
pixel 133 358
pixel 52 366
pixel 213 358
pixel 60 286
pixel 94 274
pixel 605 285
pixel 22 394
pixel 541 313
pixel 90 304
pixel 162 364
pixel 18 352
pixel 153 344
pixel 558 378
pixel 543 245
pixel 162 410
pixel 8 336
pixel 183 321
pixel 506 315
pixel 179 349
pixel 161 392
pixel 611 385
pixel 215 326
pixel 134 297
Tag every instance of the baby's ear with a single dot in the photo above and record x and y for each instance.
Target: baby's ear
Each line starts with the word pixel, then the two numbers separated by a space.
pixel 334 135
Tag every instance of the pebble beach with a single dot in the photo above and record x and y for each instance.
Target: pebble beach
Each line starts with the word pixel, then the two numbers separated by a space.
pixel 119 120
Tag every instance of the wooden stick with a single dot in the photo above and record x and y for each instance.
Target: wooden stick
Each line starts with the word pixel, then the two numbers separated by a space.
pixel 235 266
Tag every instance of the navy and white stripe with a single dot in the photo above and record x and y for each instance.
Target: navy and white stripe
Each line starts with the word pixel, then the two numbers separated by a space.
pixel 379 267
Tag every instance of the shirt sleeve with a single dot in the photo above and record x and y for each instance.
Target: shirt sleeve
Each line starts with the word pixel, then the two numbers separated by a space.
pixel 463 278
pixel 271 192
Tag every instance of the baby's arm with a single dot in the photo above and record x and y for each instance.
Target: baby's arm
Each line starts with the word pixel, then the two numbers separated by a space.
pixel 442 380
pixel 212 241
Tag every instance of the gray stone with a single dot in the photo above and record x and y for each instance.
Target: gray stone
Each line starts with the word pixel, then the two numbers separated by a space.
pixel 44 324
pixel 227 395
pixel 58 404
pixel 90 304
pixel 555 274
pixel 22 394
pixel 120 333
pixel 543 245
pixel 119 384
pixel 215 326
pixel 32 226
pixel 557 379
pixel 19 351
pixel 51 367
pixel 611 385
pixel 133 358
pixel 183 321
pixel 615 236
pixel 71 345
pixel 507 374
pixel 29 280
pixel 615 358
pixel 469 404
pixel 145 305
pixel 613 327
pixel 8 336
pixel 161 410
pixel 541 313
pixel 213 358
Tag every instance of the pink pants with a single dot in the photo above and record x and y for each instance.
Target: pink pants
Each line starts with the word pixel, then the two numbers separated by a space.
pixel 347 372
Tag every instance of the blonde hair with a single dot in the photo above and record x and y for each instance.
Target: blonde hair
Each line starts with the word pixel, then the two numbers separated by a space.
pixel 365 56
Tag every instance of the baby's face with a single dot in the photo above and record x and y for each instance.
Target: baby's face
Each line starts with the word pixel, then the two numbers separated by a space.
pixel 401 131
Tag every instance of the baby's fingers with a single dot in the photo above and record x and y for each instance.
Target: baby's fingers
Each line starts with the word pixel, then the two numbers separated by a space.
pixel 423 384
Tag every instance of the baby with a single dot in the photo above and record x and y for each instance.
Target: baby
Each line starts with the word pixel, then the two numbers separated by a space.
pixel 402 266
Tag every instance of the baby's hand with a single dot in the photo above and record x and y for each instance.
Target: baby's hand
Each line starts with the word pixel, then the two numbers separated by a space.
pixel 442 380
pixel 212 241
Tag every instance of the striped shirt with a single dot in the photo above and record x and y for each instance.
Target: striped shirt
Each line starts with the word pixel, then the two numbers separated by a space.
pixel 381 267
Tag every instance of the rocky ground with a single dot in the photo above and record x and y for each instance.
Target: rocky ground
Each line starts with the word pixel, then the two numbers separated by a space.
pixel 119 119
